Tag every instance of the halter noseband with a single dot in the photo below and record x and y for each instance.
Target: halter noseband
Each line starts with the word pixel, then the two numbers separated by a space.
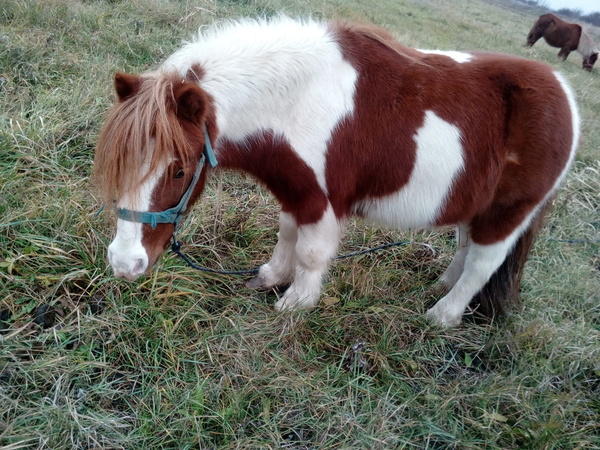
pixel 175 214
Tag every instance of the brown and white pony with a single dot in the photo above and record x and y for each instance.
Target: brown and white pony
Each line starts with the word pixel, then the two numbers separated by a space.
pixel 566 36
pixel 340 120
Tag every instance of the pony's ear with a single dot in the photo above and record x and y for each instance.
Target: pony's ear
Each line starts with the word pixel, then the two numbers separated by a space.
pixel 126 85
pixel 190 102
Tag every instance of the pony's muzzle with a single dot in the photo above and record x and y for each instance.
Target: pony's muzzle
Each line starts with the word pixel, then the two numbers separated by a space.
pixel 126 265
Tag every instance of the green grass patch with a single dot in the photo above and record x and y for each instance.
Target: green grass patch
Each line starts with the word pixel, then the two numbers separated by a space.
pixel 182 359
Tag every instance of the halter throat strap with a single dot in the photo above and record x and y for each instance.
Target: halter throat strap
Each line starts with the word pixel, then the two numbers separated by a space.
pixel 175 214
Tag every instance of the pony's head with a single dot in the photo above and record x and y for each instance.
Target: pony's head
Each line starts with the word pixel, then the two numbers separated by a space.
pixel 148 162
pixel 589 61
pixel 538 29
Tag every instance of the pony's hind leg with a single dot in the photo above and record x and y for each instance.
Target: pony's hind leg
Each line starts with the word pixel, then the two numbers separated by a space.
pixel 456 267
pixel 280 269
pixel 316 245
pixel 480 263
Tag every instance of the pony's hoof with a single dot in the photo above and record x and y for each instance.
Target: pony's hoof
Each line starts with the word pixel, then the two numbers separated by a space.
pixel 293 302
pixel 256 283
pixel 444 319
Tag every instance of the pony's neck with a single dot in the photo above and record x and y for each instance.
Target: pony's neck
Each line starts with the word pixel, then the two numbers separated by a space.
pixel 255 71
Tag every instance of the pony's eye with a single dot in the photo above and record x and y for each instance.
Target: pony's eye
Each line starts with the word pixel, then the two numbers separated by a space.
pixel 178 174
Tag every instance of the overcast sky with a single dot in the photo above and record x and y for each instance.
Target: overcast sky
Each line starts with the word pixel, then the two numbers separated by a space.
pixel 587 6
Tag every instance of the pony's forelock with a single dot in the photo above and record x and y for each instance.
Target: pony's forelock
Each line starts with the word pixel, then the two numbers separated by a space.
pixel 140 132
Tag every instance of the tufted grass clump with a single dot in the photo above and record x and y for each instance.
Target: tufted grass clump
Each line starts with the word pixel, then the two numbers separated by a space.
pixel 182 359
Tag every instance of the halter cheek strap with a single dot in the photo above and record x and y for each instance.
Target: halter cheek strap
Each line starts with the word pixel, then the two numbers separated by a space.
pixel 175 214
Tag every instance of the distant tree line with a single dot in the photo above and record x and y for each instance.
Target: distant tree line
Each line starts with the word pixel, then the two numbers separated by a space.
pixel 593 18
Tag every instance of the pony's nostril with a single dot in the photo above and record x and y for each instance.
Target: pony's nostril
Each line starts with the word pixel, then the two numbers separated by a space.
pixel 139 266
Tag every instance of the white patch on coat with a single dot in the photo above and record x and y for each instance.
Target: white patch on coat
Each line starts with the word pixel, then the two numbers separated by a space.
pixel 439 161
pixel 459 57
pixel 282 75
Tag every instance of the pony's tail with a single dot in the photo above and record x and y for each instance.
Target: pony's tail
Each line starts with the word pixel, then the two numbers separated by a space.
pixel 501 292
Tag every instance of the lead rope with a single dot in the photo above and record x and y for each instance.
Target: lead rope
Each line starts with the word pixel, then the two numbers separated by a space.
pixel 176 248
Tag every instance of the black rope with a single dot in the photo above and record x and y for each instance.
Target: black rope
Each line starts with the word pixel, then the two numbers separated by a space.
pixel 176 248
pixel 575 241
pixel 374 249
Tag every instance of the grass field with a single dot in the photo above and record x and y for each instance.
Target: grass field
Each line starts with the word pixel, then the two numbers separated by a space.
pixel 182 359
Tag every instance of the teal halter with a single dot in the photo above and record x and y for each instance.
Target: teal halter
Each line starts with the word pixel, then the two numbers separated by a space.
pixel 175 214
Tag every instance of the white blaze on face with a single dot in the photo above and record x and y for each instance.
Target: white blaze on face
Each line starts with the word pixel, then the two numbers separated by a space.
pixel 126 253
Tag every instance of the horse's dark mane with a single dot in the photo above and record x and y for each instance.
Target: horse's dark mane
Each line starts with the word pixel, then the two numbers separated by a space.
pixel 130 128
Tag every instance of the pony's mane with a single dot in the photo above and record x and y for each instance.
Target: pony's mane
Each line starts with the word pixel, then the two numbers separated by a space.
pixel 237 30
pixel 222 46
pixel 140 134
pixel 240 27
pixel 384 37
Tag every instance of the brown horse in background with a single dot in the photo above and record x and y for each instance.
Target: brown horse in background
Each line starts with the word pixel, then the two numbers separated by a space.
pixel 566 36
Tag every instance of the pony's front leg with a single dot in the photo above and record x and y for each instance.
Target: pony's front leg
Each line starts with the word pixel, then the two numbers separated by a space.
pixel 317 244
pixel 280 269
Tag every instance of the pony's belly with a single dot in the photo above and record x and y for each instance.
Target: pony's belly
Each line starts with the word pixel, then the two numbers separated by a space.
pixel 399 211
pixel 417 204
